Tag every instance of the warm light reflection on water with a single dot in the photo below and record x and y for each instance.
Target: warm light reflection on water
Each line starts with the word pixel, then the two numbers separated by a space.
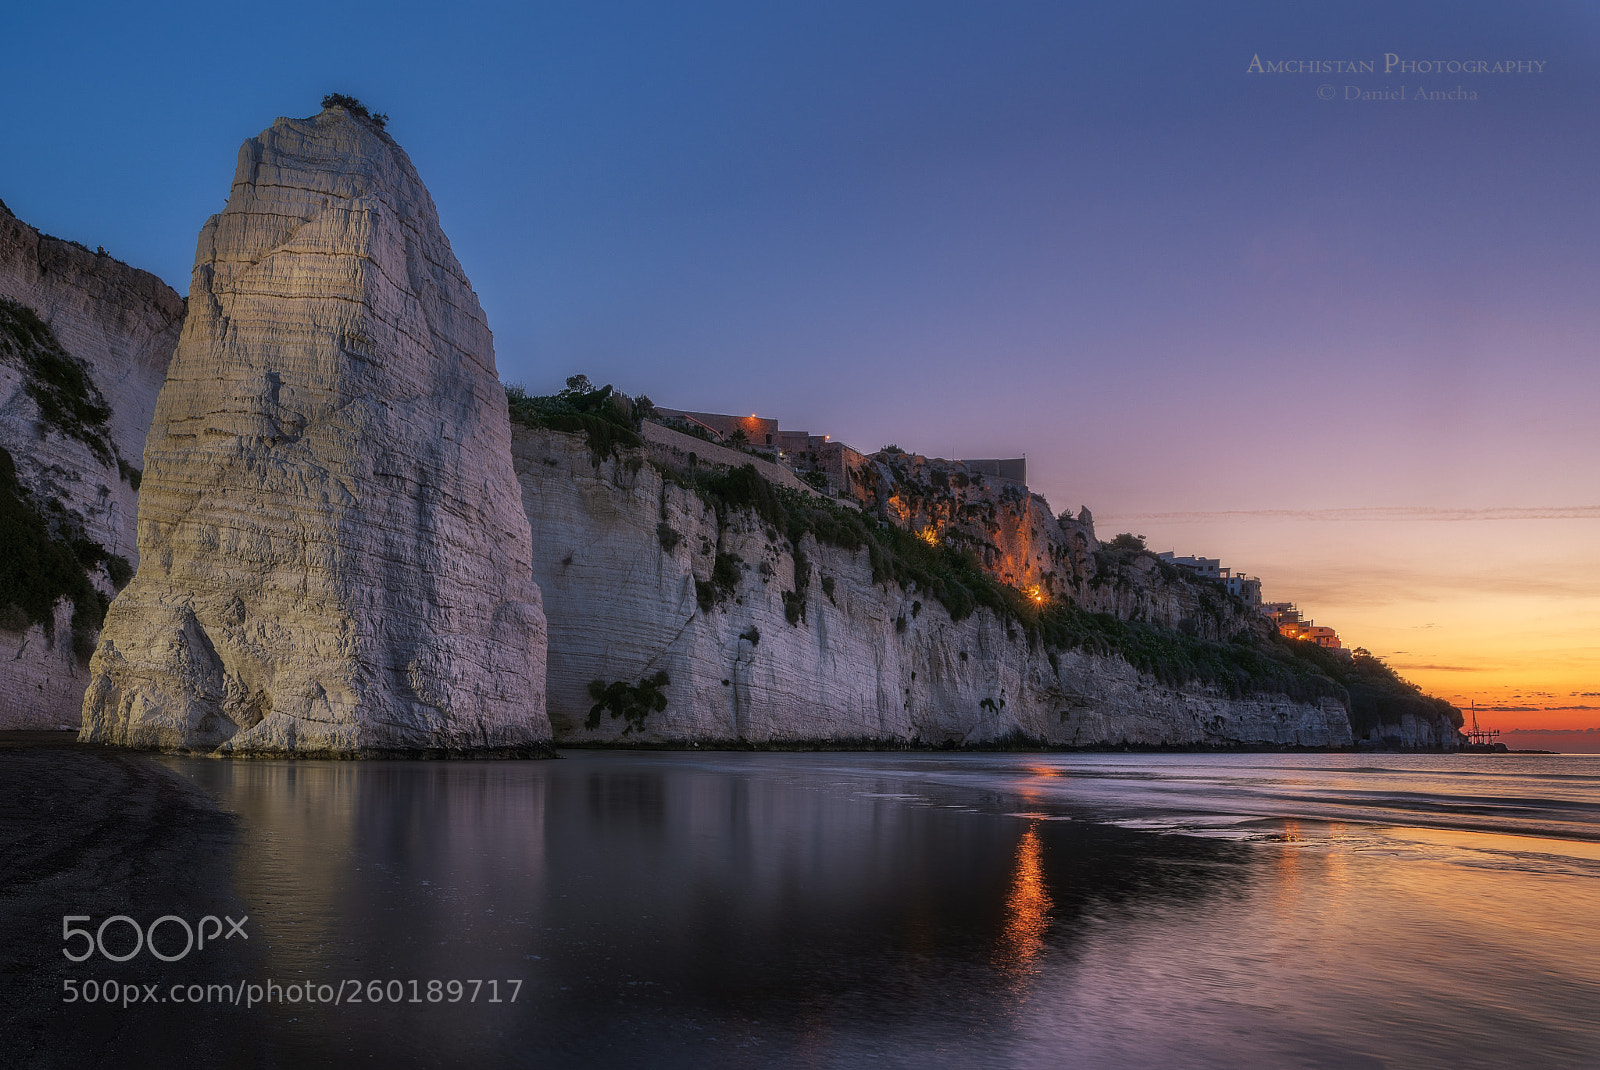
pixel 1027 908
pixel 932 910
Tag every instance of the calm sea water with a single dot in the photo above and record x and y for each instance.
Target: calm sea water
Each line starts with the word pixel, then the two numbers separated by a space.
pixel 828 910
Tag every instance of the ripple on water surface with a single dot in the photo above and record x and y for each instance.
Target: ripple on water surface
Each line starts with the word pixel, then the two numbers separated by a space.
pixel 937 910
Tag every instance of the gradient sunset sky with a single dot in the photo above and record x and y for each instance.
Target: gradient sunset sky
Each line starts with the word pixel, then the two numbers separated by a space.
pixel 1348 345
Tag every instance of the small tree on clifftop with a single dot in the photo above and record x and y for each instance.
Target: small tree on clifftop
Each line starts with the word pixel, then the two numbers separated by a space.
pixel 355 107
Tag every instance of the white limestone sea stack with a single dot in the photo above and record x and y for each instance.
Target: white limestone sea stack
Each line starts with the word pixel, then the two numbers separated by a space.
pixel 333 553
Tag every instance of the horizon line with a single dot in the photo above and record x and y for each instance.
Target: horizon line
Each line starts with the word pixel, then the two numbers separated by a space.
pixel 1379 512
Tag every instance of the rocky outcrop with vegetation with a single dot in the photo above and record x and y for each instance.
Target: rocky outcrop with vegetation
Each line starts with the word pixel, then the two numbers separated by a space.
pixel 1017 539
pixel 703 604
pixel 84 345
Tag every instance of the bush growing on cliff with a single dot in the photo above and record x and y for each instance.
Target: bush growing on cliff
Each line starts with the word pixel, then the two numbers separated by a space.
pixel 38 568
pixel 355 107
pixel 724 581
pixel 57 382
pixel 815 480
pixel 603 417
pixel 794 606
pixel 631 702
pixel 725 573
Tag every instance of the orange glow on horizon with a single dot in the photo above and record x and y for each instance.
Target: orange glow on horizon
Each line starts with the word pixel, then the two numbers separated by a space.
pixel 1505 613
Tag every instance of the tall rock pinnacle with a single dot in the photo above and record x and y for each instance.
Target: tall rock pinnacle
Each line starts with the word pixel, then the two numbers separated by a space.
pixel 334 557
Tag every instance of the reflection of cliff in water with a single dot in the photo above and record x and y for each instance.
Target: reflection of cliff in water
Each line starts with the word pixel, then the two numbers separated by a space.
pixel 650 900
pixel 824 910
pixel 357 865
pixel 784 897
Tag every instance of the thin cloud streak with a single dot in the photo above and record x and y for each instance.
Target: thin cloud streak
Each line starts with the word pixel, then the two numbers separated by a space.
pixel 1376 512
pixel 1534 709
pixel 1386 586
pixel 1441 668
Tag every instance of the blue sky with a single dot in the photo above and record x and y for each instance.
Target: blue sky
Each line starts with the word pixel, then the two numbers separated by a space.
pixel 1085 232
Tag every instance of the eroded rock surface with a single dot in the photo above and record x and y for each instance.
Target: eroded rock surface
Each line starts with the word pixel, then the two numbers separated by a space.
pixel 619 551
pixel 333 553
pixel 90 336
pixel 1020 542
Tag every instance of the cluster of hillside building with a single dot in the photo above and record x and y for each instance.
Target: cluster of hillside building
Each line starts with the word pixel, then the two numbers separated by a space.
pixel 1291 625
pixel 1285 616
pixel 804 453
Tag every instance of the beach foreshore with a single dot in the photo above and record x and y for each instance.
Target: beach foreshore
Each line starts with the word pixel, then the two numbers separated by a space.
pixel 91 832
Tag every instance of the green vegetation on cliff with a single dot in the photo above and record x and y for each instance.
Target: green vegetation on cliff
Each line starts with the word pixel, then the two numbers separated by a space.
pixel 57 382
pixel 952 575
pixel 607 420
pixel 355 107
pixel 39 568
pixel 46 555
pixel 1377 694
pixel 631 702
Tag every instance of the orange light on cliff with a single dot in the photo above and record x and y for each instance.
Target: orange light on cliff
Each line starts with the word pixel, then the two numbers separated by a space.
pixel 929 536
pixel 1036 593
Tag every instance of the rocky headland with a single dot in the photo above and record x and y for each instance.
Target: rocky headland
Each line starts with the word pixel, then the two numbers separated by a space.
pixel 697 602
pixel 333 556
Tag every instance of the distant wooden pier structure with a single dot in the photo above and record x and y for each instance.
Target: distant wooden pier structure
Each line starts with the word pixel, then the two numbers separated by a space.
pixel 1481 737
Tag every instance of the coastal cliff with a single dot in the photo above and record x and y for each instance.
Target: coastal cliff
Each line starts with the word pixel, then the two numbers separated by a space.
pixel 341 539
pixel 84 345
pixel 333 557
pixel 681 616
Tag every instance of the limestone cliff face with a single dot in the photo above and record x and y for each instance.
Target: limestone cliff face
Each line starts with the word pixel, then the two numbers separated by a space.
pixel 618 550
pixel 115 326
pixel 122 323
pixel 1019 541
pixel 1413 732
pixel 333 553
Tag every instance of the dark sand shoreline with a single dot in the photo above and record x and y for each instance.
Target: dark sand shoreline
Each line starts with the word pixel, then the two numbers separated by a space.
pixel 90 830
